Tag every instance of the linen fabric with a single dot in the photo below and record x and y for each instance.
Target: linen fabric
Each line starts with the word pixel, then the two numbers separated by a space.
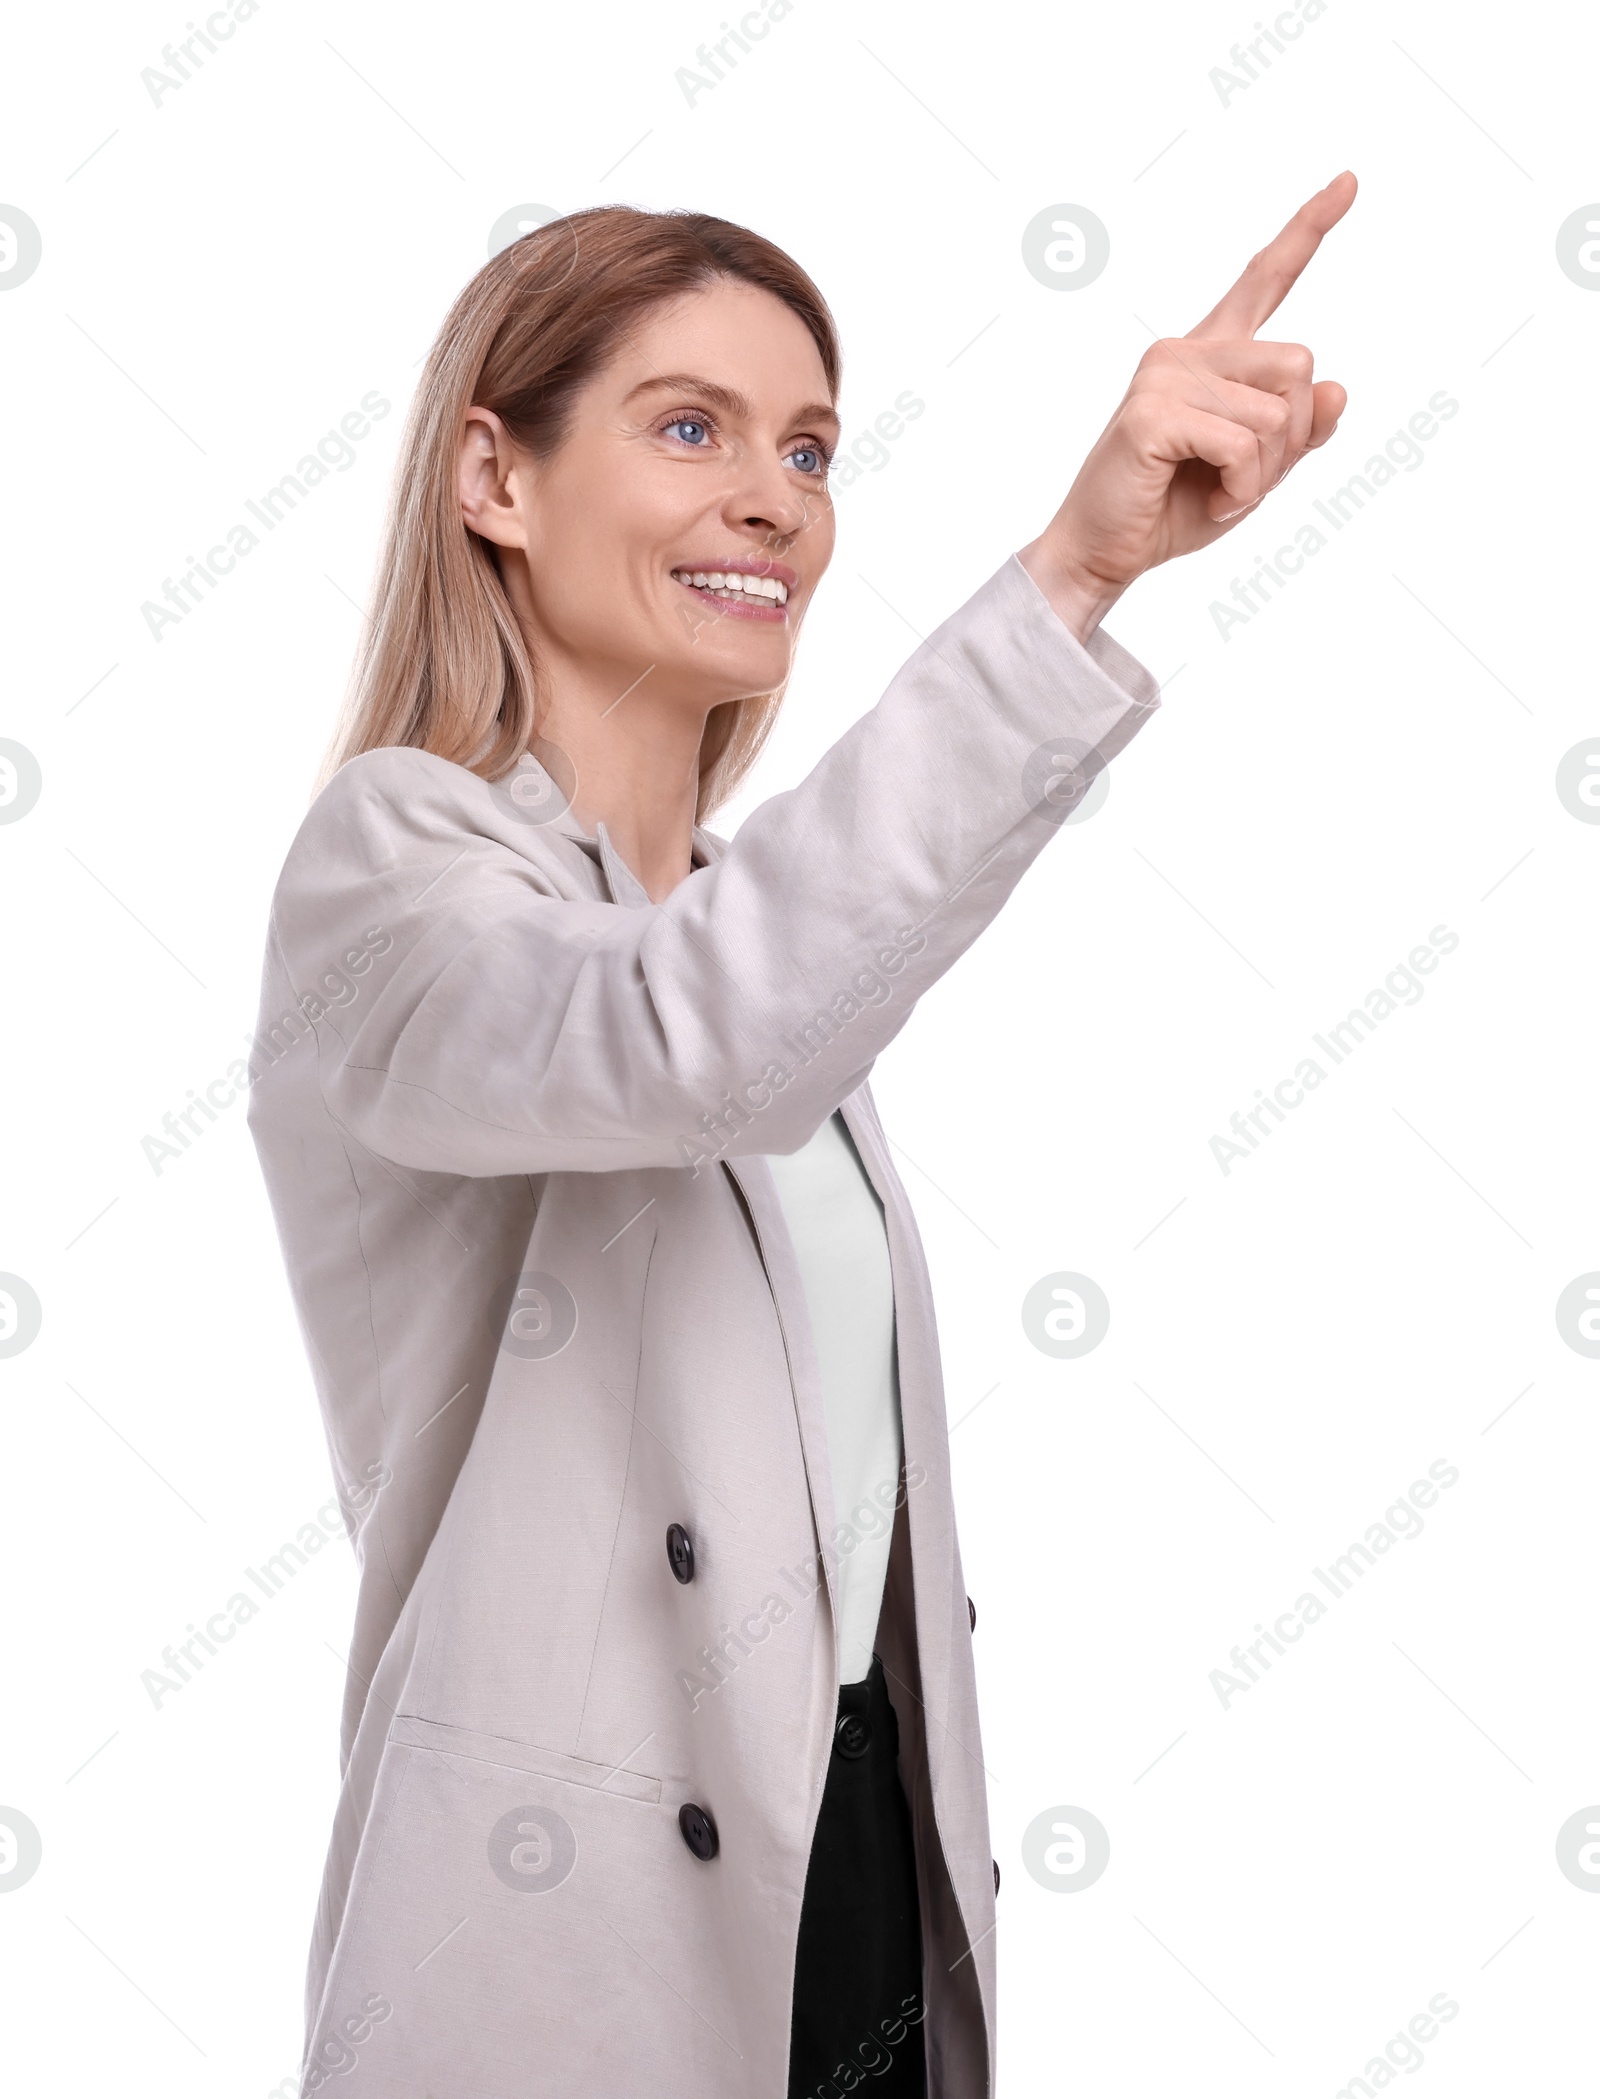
pixel 511 1117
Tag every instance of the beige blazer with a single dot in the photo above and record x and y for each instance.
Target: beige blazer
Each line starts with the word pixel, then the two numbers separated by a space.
pixel 510 1116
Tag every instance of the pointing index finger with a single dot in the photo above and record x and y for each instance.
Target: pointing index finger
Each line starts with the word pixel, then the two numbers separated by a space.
pixel 1268 278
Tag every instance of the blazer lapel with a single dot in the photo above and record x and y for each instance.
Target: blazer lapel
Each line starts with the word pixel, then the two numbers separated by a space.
pixel 753 1179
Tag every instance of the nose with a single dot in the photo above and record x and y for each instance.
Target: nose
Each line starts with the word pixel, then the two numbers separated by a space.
pixel 771 502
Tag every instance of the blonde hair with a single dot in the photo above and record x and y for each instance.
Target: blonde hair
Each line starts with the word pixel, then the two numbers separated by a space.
pixel 443 666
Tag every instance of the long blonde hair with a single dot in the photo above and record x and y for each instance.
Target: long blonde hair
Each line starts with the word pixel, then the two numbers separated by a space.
pixel 443 666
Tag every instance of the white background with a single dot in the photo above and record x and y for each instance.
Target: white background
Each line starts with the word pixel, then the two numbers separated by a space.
pixel 1291 1343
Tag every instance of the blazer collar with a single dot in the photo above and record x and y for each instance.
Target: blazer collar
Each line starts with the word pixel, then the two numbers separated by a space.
pixel 622 882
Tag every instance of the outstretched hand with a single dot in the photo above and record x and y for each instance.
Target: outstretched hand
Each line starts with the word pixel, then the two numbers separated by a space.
pixel 1211 423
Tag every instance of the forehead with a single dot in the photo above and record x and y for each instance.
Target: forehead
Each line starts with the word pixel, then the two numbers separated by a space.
pixel 736 335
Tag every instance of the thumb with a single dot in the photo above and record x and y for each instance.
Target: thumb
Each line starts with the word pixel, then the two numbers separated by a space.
pixel 1328 400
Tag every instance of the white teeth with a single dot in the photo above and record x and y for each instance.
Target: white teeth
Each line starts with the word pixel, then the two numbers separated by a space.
pixel 733 583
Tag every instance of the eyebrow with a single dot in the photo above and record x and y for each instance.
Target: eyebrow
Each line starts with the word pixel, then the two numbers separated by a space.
pixel 727 398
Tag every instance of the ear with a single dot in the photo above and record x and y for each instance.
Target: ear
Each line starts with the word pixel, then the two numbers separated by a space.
pixel 489 475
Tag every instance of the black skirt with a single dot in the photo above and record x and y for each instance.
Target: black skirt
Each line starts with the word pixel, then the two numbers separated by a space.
pixel 858 2002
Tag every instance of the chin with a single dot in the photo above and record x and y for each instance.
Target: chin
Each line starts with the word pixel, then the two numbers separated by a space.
pixel 736 673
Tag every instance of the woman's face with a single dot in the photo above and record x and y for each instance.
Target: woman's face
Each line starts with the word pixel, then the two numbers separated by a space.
pixel 698 452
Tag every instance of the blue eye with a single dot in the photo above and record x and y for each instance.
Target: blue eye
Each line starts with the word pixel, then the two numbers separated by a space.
pixel 687 422
pixel 812 461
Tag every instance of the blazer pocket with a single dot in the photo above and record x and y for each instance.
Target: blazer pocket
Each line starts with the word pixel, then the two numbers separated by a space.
pixel 408 1731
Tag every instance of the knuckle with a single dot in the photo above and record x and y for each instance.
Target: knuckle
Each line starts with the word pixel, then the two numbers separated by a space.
pixel 1298 362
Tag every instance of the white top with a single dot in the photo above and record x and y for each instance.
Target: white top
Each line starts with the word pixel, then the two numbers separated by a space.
pixel 836 1222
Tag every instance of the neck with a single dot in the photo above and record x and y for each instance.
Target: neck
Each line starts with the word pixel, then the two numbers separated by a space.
pixel 637 760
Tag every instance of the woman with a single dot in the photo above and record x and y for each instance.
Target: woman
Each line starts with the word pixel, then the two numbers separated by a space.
pixel 661 1762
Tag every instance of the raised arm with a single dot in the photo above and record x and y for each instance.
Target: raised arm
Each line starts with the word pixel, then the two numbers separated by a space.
pixel 505 1022
pixel 503 1028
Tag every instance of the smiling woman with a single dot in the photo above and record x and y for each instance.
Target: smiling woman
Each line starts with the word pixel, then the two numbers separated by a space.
pixel 504 411
pixel 600 1255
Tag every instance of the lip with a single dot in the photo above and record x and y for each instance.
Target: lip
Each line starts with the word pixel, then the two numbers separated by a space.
pixel 760 609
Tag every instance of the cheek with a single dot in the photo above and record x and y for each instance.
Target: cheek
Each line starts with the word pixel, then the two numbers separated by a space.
pixel 816 543
pixel 619 534
pixel 594 562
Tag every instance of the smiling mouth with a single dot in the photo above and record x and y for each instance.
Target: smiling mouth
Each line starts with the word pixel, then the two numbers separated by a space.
pixel 759 597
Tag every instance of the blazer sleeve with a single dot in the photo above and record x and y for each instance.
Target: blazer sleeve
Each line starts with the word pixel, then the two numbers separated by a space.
pixel 498 1027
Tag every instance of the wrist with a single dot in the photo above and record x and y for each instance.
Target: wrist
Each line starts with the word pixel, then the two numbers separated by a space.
pixel 1079 598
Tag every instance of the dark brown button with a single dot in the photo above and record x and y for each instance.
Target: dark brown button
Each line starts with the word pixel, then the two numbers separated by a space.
pixel 972 1614
pixel 680 1552
pixel 852 1735
pixel 699 1831
pixel 996 1865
